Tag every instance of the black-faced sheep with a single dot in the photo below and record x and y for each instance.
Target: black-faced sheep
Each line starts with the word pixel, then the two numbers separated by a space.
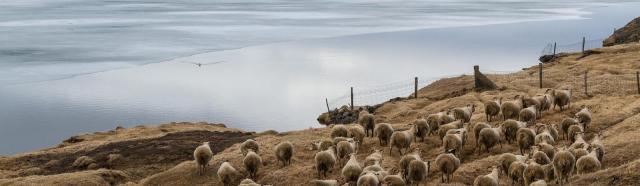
pixel 202 156
pixel 447 163
pixel 492 108
pixel 511 109
pixel 249 144
pixel 383 131
pixel 464 113
pixel 252 163
pixel 284 152
pixel 491 179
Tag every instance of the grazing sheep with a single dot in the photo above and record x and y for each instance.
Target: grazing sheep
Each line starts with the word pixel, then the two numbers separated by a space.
pixel 252 163
pixel 369 179
pixel 489 137
pixel 534 101
pixel 406 160
pixel 563 165
pixel 383 131
pixel 573 131
pixel 248 182
pixel 368 122
pixel 401 140
pixel 421 128
pixel 376 156
pixel 564 126
pixel 394 180
pixel 544 136
pixel 284 152
pixel 464 113
pixel 325 160
pixel 525 138
pixel 553 131
pixel 579 142
pixel 539 183
pixel 584 117
pixel 344 148
pixel 547 149
pixel 339 131
pixel 561 98
pixel 351 171
pixel 532 172
pixel 202 155
pixel 321 145
pixel 545 101
pixel 418 171
pixel 579 152
pixel 442 131
pixel 447 163
pixel 249 144
pixel 462 131
pixel 453 141
pixel 373 168
pixel 476 131
pixel 491 179
pixel 433 120
pixel 511 109
pixel 597 144
pixel 492 108
pixel 227 174
pixel 507 158
pixel 588 163
pixel 549 173
pixel 447 118
pixel 324 183
pixel 337 140
pixel 516 172
pixel 510 128
pixel 357 133
pixel 528 114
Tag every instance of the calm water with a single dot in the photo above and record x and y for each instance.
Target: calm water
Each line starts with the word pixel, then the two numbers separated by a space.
pixel 57 76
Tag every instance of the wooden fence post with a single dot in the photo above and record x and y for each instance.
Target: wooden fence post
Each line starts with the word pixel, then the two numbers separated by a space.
pixel 476 69
pixel 415 88
pixel 352 98
pixel 327 102
pixel 585 84
pixel 540 76
pixel 554 48
pixel 638 81
pixel 584 40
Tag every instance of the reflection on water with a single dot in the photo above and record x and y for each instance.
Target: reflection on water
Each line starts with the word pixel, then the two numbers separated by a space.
pixel 277 86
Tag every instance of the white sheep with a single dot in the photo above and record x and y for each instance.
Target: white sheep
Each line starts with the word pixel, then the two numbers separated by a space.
pixel 597 144
pixel 442 131
pixel 491 179
pixel 384 132
pixel 544 136
pixel 434 121
pixel 511 109
pixel 464 113
pixel 375 156
pixel 322 144
pixel 248 182
pixel 351 171
pixel 344 148
pixel 588 163
pixel 227 174
pixel 402 140
pixel 339 131
pixel 492 108
pixel 539 183
pixel 540 157
pixel 202 156
pixel 357 133
pixel 476 132
pixel 507 158
pixel 561 98
pixel 516 172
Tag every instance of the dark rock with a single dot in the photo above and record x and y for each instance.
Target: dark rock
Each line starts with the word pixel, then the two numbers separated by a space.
pixel 627 34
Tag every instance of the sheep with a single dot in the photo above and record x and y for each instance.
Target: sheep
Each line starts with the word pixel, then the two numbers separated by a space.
pixel 322 144
pixel 553 131
pixel 544 135
pixel 545 102
pixel 324 183
pixel 549 150
pixel 550 100
pixel 528 114
pixel 464 113
pixel 564 126
pixel 375 156
pixel 368 122
pixel 516 172
pixel 383 131
pixel 344 148
pixel 369 179
pixel 579 152
pixel 491 179
pixel 252 163
pixel 447 163
pixel 476 132
pixel 506 159
pixel 401 140
pixel 325 160
pixel 433 120
pixel 418 171
pixel 453 141
pixel 573 131
pixel 579 142
pixel 357 133
pixel 539 183
pixel 510 128
pixel 227 174
pixel 525 138
pixel 351 171
pixel 532 172
pixel 248 182
pixel 563 165
pixel 561 98
pixel 588 163
pixel 462 131
pixel 202 156
pixel 489 137
pixel 394 180
pixel 339 131
pixel 249 144
pixel 421 128
pixel 511 109
pixel 534 101
pixel 549 174
pixel 597 144
pixel 406 160
pixel 584 117
pixel 284 152
pixel 442 131
pixel 540 157
pixel 380 174
pixel 492 108
pixel 337 140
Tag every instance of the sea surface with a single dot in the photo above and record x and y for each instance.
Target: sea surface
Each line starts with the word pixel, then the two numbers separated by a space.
pixel 71 66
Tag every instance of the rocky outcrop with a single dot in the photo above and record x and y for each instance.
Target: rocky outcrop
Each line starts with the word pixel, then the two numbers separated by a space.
pixel 627 34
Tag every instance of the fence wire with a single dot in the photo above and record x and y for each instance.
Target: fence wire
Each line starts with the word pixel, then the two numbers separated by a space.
pixel 572 47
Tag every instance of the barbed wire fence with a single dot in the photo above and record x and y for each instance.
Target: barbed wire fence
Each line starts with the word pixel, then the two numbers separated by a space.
pixel 581 84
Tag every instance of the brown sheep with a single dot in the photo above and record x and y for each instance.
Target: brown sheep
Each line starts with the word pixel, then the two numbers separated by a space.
pixel 511 109
pixel 447 163
pixel 422 129
pixel 492 108
pixel 563 164
pixel 525 138
pixel 383 131
pixel 510 128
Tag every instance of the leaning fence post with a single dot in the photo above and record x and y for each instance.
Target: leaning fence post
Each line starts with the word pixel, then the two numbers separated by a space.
pixel 540 76
pixel 638 81
pixel 351 98
pixel 583 42
pixel 415 88
pixel 585 84
pixel 327 102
